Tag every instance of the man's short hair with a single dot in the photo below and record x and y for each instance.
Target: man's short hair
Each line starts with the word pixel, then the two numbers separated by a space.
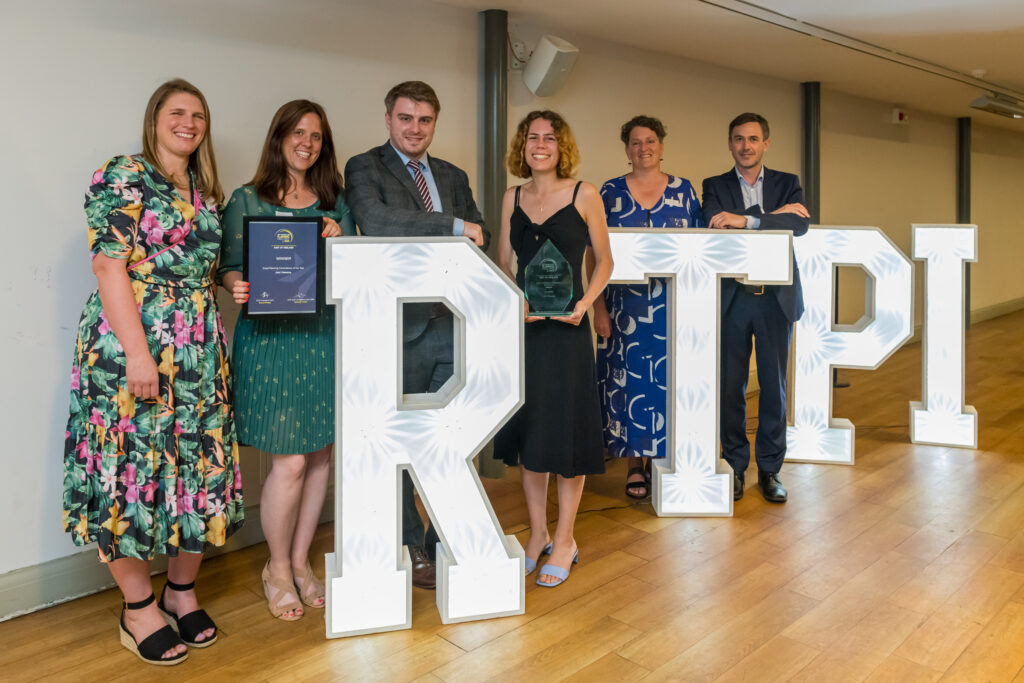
pixel 417 91
pixel 750 117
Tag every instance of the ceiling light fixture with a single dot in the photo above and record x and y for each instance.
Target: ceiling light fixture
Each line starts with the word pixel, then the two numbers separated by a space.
pixel 1004 101
pixel 999 104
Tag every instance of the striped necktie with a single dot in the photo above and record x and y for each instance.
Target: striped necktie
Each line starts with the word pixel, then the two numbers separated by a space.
pixel 421 184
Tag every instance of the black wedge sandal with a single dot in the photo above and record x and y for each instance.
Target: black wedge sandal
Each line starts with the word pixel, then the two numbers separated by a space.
pixel 190 625
pixel 153 647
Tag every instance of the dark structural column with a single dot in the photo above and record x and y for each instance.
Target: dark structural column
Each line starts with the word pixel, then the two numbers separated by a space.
pixel 810 95
pixel 494 131
pixel 494 116
pixel 963 197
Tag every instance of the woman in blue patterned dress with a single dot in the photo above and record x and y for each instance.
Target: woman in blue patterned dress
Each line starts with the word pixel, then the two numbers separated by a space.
pixel 630 321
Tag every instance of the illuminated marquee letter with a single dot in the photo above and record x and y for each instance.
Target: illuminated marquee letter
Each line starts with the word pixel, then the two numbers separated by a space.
pixel 434 436
pixel 694 260
pixel 820 345
pixel 943 418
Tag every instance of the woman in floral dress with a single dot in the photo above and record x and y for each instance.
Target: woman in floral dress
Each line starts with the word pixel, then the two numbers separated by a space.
pixel 150 457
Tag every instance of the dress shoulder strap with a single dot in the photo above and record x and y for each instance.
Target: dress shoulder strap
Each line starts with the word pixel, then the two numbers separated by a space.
pixel 576 190
pixel 518 187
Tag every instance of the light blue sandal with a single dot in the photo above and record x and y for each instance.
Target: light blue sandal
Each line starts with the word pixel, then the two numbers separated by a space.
pixel 532 564
pixel 557 572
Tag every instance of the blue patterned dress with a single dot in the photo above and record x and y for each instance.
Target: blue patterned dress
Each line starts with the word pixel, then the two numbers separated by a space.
pixel 631 364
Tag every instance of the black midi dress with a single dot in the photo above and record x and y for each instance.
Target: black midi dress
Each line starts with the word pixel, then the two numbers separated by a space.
pixel 558 429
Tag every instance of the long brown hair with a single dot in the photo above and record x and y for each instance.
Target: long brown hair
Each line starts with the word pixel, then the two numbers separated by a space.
pixel 271 179
pixel 568 152
pixel 201 162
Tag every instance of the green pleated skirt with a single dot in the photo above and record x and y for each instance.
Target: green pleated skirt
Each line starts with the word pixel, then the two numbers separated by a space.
pixel 284 383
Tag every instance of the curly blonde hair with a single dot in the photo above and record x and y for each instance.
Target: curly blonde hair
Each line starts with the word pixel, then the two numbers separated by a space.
pixel 568 152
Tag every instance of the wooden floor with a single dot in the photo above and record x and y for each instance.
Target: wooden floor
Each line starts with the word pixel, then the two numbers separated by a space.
pixel 908 566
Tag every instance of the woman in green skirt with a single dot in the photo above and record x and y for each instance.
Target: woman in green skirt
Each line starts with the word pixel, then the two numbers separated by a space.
pixel 284 367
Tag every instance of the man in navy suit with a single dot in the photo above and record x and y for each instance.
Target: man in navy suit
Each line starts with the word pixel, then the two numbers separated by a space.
pixel 753 197
pixel 396 190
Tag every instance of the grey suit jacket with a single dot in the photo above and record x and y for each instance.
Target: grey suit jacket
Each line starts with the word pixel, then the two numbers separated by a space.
pixel 385 202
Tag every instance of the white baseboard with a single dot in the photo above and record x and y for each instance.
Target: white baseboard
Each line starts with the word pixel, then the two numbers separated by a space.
pixel 27 590
pixel 996 310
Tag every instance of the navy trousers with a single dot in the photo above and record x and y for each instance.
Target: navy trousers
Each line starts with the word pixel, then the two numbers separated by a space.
pixel 758 319
pixel 428 363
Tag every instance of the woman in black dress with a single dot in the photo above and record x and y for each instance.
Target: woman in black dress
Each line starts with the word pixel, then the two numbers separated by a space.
pixel 558 429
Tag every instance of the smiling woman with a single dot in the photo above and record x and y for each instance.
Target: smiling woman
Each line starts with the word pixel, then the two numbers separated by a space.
pixel 150 456
pixel 558 429
pixel 284 397
pixel 630 320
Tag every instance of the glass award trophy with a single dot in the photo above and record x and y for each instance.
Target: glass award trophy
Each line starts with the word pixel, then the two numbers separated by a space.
pixel 548 282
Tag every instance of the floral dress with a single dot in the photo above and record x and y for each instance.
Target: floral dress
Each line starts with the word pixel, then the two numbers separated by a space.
pixel 150 476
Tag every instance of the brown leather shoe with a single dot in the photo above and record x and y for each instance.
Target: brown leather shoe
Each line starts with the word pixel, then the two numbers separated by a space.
pixel 424 572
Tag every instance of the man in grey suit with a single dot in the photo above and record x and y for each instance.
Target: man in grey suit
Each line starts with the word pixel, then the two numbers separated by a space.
pixel 396 190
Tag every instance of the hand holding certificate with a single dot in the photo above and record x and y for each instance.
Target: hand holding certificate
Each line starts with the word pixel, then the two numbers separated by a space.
pixel 281 263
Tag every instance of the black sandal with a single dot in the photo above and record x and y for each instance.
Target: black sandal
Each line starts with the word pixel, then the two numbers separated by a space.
pixel 632 486
pixel 151 650
pixel 193 623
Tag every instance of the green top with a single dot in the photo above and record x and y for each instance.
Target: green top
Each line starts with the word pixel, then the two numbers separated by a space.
pixel 245 202
pixel 283 367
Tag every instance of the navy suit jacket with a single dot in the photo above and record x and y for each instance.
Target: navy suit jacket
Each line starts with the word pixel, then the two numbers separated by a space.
pixel 723 193
pixel 385 202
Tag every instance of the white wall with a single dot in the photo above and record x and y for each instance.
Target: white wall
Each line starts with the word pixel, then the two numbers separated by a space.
pixel 76 79
pixel 77 75
pixel 884 175
pixel 890 176
pixel 89 67
pixel 611 83
pixel 997 175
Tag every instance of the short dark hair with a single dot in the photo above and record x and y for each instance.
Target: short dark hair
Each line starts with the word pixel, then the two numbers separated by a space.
pixel 750 117
pixel 417 91
pixel 643 122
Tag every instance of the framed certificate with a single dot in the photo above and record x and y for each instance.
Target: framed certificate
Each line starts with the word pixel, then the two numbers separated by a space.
pixel 282 259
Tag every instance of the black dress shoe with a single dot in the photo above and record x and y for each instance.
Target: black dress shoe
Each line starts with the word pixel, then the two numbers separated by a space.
pixel 738 481
pixel 424 572
pixel 771 488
